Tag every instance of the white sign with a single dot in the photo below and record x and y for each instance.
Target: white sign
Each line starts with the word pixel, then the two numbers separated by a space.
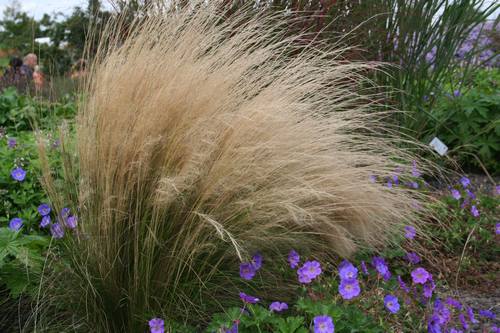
pixel 438 146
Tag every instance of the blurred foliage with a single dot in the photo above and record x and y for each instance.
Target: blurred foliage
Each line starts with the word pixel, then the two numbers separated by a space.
pixel 467 119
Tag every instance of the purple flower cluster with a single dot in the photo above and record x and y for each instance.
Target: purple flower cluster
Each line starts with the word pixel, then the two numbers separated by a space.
pixel 482 46
pixel 247 269
pixel 349 284
pixel 381 267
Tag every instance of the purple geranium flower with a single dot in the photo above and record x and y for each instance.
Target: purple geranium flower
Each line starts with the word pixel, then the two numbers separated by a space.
pixel 464 323
pixel 65 212
pixel 429 287
pixel 257 261
pixel 380 265
pixel 474 211
pixel 347 271
pixel 349 289
pixel 157 325
pixel 414 171
pixel 487 314
pixel 433 325
pixel 470 313
pixel 278 306
pixel 413 258
pixel 309 271
pixel 403 285
pixel 45 221
pixel 454 330
pixel 248 299
pixel 71 222
pixel 293 259
pixel 441 312
pixel 420 275
pixel 391 303
pixel 44 209
pixel 11 143
pixel 365 270
pixel 470 194
pixel 454 303
pixel 456 194
pixel 18 174
pixel 323 324
pixel 57 230
pixel 233 329
pixel 456 93
pixel 410 232
pixel 465 181
pixel 15 224
pixel 497 190
pixel 247 271
pixel 497 229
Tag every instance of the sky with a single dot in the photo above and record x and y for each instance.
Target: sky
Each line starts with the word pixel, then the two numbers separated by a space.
pixel 38 7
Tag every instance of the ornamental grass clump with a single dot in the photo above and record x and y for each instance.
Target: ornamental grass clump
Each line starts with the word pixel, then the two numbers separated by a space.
pixel 201 141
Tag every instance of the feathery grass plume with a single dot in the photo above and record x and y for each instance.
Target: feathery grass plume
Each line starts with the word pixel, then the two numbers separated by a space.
pixel 200 141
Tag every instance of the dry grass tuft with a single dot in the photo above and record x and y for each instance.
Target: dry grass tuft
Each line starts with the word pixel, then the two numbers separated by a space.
pixel 201 141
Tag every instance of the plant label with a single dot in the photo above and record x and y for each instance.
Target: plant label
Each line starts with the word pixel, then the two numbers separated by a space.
pixel 438 146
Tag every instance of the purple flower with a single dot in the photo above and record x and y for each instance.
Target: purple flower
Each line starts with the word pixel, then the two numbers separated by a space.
pixel 410 232
pixel 157 325
pixel 45 221
pixel 15 224
pixel 323 324
pixel 256 261
pixel 465 181
pixel 365 270
pixel 247 271
pixel 65 212
pixel 278 306
pixel 454 303
pixel 391 303
pixel 487 314
pixel 470 194
pixel 233 329
pixel 494 329
pixel 420 275
pixel 380 265
pixel 413 185
pixel 349 289
pixel 44 209
pixel 429 287
pixel 470 313
pixel 497 190
pixel 474 211
pixel 497 228
pixel 71 222
pixel 248 299
pixel 309 271
pixel 465 326
pixel 413 258
pixel 454 330
pixel 56 144
pixel 414 171
pixel 373 178
pixel 455 194
pixel 347 271
pixel 433 325
pixel 57 230
pixel 18 174
pixel 441 312
pixel 293 259
pixel 456 93
pixel 11 143
pixel 403 285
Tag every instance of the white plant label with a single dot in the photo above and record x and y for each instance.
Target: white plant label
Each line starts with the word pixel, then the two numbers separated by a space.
pixel 439 146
